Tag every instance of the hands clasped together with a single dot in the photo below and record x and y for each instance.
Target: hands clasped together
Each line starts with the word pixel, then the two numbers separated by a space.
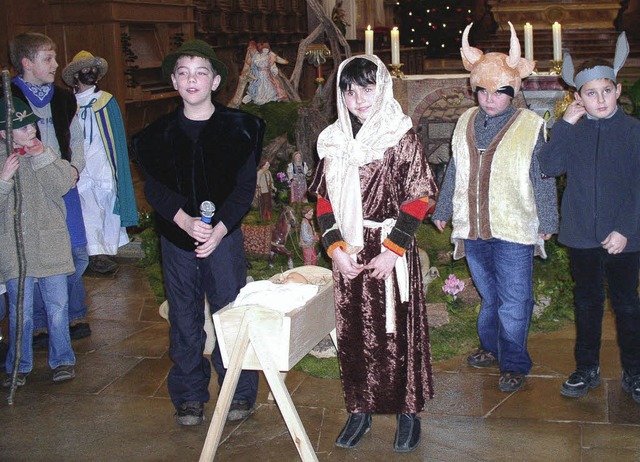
pixel 381 266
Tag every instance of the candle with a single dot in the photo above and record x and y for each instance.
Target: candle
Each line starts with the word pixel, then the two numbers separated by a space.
pixel 368 41
pixel 528 42
pixel 557 41
pixel 395 46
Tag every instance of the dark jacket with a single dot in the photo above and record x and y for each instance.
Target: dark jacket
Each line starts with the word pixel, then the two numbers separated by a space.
pixel 219 167
pixel 601 158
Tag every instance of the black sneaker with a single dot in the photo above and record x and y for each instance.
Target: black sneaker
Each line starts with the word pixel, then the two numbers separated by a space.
pixel 407 433
pixel 356 427
pixel 511 381
pixel 239 410
pixel 580 382
pixel 482 358
pixel 631 384
pixel 190 413
pixel 103 264
pixel 79 330
pixel 21 380
pixel 63 374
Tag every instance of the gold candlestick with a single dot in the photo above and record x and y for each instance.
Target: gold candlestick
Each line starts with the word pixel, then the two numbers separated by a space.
pixel 395 71
pixel 556 67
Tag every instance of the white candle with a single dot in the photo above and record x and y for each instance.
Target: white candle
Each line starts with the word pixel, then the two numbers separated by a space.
pixel 395 46
pixel 528 42
pixel 557 41
pixel 368 41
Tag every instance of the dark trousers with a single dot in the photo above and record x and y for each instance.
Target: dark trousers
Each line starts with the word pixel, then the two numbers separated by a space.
pixel 590 269
pixel 187 280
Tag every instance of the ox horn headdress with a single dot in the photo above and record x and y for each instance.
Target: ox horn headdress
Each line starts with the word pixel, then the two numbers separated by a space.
pixel 494 71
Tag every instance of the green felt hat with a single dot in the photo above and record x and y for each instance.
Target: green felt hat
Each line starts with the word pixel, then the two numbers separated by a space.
pixel 22 114
pixel 194 48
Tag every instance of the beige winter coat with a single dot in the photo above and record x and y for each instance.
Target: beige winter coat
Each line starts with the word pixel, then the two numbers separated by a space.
pixel 44 179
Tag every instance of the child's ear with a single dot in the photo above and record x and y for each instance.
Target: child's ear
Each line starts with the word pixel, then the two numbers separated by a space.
pixel 576 96
pixel 26 63
pixel 618 90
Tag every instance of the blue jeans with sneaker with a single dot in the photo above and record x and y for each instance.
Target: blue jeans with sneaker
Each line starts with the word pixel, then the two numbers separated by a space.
pixel 590 269
pixel 503 274
pixel 77 294
pixel 54 293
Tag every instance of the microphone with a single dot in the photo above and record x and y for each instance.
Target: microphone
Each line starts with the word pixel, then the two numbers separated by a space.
pixel 207 209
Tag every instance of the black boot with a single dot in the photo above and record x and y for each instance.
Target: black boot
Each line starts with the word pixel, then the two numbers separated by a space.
pixel 407 433
pixel 354 430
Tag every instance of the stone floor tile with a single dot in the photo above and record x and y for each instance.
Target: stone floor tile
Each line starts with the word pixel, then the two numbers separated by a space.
pixel 540 399
pixel 469 394
pixel 93 374
pixel 70 427
pixel 622 408
pixel 149 311
pixel 451 438
pixel 315 392
pixel 145 379
pixel 611 437
pixel 122 308
pixel 265 435
pixel 614 454
pixel 454 364
pixel 151 340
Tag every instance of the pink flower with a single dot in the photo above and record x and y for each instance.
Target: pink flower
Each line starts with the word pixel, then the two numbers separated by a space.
pixel 453 286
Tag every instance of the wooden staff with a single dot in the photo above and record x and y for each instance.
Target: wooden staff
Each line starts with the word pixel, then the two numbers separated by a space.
pixel 22 264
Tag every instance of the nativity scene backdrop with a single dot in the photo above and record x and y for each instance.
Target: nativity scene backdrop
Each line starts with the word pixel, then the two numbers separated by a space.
pixel 282 57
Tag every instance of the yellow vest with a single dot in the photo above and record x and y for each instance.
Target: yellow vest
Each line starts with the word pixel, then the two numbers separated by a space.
pixel 512 214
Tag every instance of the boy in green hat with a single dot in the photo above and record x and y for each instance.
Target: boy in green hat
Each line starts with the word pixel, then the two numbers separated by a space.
pixel 202 151
pixel 44 178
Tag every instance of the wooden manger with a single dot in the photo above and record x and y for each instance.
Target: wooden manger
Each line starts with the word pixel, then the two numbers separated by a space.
pixel 258 338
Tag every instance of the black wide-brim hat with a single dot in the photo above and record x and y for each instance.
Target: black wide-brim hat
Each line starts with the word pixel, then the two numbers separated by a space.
pixel 198 48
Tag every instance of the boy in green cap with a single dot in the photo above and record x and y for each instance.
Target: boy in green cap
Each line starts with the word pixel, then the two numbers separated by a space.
pixel 44 178
pixel 202 151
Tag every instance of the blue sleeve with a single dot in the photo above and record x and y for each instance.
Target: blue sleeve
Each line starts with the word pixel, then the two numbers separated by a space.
pixel 545 192
pixel 444 205
pixel 554 153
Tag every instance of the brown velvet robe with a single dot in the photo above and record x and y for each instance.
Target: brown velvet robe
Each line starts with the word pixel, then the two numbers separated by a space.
pixel 384 373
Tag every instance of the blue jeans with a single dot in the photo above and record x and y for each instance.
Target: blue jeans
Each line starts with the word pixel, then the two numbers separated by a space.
pixel 503 274
pixel 75 287
pixel 187 280
pixel 590 269
pixel 54 293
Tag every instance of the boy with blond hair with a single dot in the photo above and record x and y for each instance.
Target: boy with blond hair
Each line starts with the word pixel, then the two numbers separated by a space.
pixel 33 56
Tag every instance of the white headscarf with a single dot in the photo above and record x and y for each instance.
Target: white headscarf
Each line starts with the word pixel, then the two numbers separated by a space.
pixel 344 154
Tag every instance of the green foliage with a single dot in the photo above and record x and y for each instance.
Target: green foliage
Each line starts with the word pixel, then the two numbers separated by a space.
pixel 457 337
pixel 630 98
pixel 281 118
pixel 324 368
pixel 151 262
pixel 552 283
